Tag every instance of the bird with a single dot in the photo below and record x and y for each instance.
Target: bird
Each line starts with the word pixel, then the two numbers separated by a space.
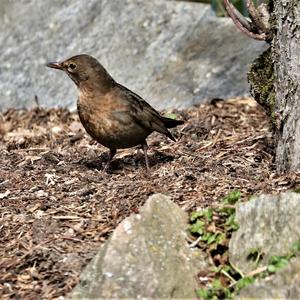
pixel 112 114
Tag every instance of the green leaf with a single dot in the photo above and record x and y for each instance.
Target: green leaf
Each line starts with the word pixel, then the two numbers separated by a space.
pixel 212 238
pixel 245 281
pixel 227 210
pixel 197 227
pixel 171 116
pixel 221 238
pixel 205 236
pixel 282 263
pixel 230 222
pixel 296 248
pixel 195 215
pixel 276 263
pixel 203 293
pixel 232 197
pixel 207 214
pixel 272 269
pixel 216 284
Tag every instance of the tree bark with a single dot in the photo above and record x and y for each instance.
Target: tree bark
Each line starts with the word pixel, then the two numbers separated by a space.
pixel 274 76
pixel 285 52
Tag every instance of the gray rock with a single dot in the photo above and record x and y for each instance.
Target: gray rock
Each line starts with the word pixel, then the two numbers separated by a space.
pixel 270 224
pixel 174 54
pixel 146 256
pixel 283 285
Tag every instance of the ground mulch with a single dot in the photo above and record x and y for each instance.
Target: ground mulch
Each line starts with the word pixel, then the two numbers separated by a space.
pixel 57 206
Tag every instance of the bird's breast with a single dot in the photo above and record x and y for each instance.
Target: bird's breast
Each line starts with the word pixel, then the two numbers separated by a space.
pixel 110 123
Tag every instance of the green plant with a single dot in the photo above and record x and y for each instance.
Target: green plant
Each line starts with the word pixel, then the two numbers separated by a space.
pixel 213 228
pixel 277 262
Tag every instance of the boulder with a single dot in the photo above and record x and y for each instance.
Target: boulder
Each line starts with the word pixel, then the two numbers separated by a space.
pixel 283 285
pixel 172 53
pixel 147 256
pixel 269 224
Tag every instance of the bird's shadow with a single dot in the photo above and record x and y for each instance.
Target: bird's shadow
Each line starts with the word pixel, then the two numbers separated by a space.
pixel 134 160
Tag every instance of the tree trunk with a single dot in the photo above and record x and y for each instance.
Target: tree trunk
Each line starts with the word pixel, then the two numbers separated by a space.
pixel 285 52
pixel 274 76
pixel 274 80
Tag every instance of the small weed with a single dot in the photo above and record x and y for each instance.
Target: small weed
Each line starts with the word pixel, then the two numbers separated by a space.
pixel 232 198
pixel 277 262
pixel 215 226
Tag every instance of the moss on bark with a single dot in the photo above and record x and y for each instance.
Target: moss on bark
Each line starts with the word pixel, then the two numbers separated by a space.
pixel 261 78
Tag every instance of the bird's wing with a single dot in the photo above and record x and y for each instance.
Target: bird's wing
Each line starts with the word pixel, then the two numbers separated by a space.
pixel 144 114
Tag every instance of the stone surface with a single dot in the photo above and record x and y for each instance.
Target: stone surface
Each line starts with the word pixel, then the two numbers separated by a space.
pixel 146 257
pixel 283 285
pixel 174 54
pixel 270 224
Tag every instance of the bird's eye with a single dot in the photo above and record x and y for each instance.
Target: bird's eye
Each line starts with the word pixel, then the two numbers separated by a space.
pixel 72 66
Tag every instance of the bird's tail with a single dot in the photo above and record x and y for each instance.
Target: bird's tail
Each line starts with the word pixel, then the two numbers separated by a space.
pixel 170 123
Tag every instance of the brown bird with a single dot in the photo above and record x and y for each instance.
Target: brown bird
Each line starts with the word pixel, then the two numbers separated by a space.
pixel 112 114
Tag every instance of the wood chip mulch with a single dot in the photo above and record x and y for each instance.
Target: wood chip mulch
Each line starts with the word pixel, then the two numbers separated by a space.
pixel 57 206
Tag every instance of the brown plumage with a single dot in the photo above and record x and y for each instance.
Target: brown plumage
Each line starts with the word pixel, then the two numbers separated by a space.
pixel 112 114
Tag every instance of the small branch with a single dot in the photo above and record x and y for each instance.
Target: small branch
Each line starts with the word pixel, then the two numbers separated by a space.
pixel 255 17
pixel 265 16
pixel 257 271
pixel 196 242
pixel 237 270
pixel 236 15
pixel 242 23
pixel 228 276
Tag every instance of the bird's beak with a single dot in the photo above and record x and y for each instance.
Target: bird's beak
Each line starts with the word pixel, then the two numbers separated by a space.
pixel 55 65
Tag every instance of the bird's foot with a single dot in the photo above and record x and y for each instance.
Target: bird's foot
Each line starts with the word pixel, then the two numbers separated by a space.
pixel 111 154
pixel 145 148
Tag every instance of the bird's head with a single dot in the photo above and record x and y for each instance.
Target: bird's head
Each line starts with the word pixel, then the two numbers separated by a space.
pixel 85 71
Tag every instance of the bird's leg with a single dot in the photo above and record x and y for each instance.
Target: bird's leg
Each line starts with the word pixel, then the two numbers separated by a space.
pixel 112 153
pixel 145 148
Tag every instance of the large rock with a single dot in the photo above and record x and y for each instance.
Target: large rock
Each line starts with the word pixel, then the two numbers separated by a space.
pixel 174 54
pixel 283 285
pixel 146 256
pixel 269 224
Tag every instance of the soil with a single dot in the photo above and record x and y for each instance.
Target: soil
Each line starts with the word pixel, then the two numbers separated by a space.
pixel 57 206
